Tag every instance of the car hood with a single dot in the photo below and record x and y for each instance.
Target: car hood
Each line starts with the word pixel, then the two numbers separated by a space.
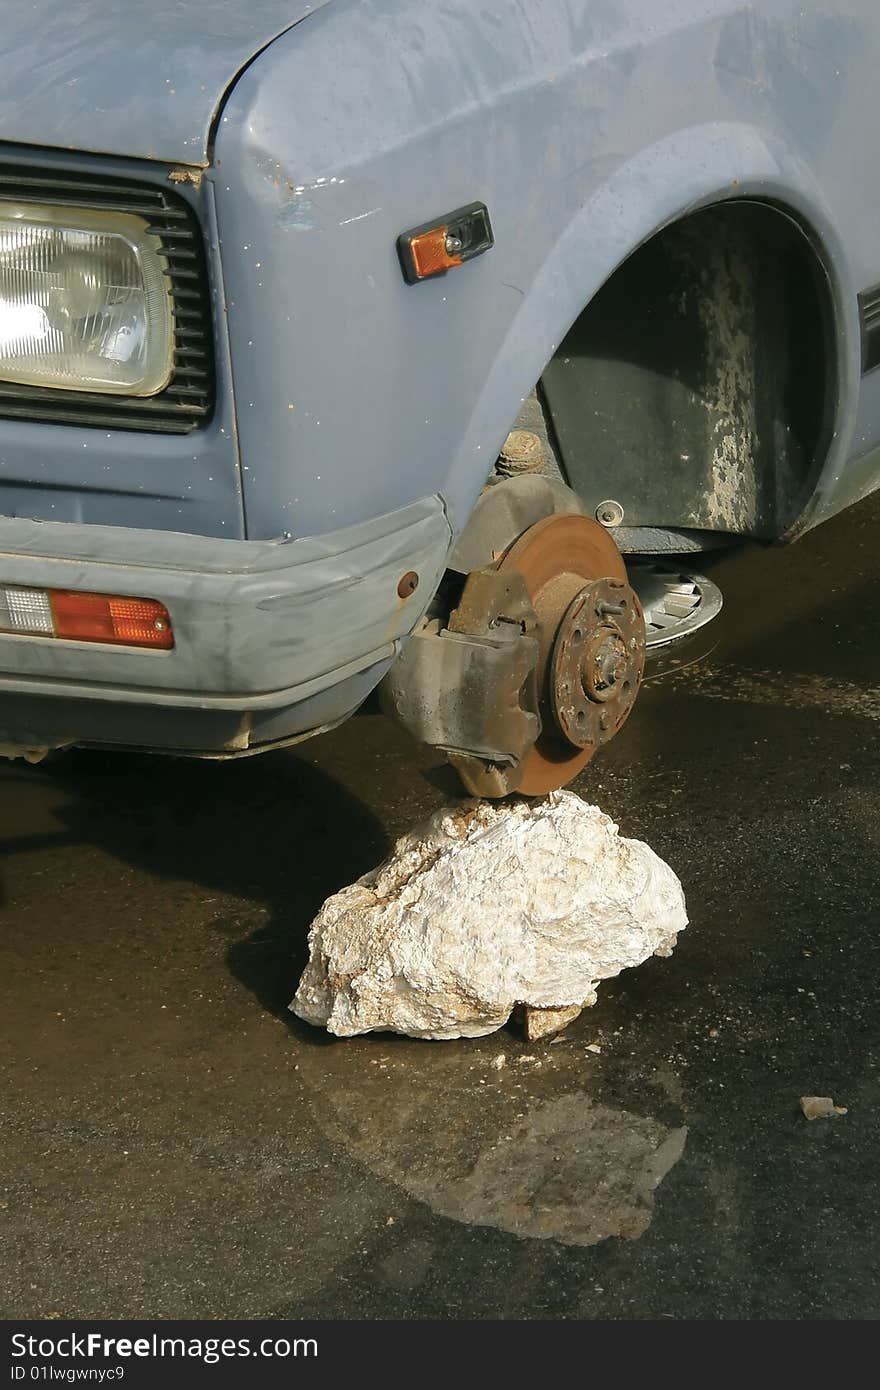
pixel 142 78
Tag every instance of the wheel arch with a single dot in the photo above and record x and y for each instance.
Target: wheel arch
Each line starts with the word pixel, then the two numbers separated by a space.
pixel 664 184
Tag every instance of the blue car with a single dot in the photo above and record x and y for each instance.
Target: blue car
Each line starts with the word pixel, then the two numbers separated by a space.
pixel 375 343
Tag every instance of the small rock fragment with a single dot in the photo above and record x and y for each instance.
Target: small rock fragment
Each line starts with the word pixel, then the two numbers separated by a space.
pixel 499 1061
pixel 821 1107
pixel 540 1023
pixel 485 907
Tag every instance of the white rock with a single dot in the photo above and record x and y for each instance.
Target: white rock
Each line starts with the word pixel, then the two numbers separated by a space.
pixel 484 907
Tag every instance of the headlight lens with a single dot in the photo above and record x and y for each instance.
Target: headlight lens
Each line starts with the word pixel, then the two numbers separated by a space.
pixel 85 303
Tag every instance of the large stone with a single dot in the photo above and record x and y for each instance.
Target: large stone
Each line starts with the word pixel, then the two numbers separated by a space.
pixel 484 907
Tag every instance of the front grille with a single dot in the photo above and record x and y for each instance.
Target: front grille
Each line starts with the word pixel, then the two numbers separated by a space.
pixel 186 401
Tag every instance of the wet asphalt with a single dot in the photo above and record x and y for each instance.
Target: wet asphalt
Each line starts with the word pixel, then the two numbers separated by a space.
pixel 175 1144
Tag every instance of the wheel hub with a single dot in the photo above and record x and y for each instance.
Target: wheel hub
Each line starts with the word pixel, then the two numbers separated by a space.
pixel 597 663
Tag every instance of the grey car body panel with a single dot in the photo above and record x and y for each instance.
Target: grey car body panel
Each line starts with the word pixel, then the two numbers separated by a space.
pixel 345 394
pixel 129 78
pixel 585 128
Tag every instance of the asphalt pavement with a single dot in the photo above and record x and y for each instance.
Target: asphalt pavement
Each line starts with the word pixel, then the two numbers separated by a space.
pixel 175 1143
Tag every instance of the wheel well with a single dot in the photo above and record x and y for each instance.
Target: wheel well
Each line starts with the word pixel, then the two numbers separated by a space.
pixel 695 388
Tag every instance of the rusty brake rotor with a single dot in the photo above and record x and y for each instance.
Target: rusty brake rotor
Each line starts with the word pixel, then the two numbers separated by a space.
pixel 590 658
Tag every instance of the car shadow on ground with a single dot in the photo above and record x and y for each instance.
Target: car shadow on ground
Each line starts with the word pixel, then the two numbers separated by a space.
pixel 274 835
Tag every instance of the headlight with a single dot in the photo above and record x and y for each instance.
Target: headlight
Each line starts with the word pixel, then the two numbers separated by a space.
pixel 85 303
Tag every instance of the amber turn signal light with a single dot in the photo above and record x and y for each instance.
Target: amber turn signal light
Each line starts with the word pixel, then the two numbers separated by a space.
pixel 131 622
pixel 438 246
pixel 85 617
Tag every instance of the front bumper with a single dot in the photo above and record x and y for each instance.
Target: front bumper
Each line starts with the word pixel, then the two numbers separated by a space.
pixel 273 639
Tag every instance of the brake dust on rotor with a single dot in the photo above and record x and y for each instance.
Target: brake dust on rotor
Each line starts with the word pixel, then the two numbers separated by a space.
pixel 537 665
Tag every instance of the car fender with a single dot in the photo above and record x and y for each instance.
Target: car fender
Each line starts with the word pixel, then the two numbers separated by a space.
pixel 356 392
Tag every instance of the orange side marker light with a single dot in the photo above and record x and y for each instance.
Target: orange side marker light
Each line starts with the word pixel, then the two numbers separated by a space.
pixel 438 246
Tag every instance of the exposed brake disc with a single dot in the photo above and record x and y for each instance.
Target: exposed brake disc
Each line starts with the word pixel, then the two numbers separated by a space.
pixel 590 654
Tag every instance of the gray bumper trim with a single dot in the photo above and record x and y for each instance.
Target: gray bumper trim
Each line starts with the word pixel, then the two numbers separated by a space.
pixel 175 699
pixel 257 624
